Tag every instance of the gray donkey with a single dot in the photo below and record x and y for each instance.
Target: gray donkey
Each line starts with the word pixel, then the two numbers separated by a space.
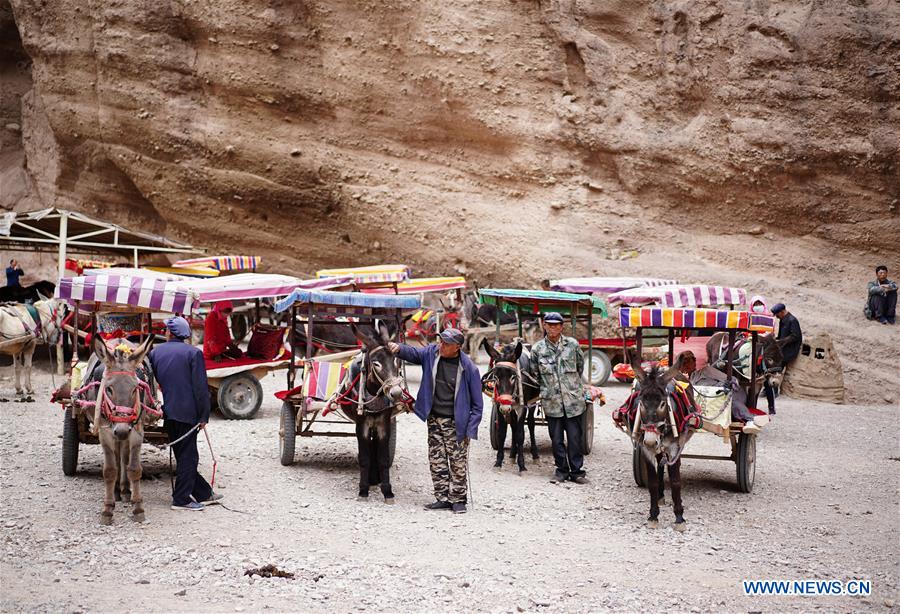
pixel 124 403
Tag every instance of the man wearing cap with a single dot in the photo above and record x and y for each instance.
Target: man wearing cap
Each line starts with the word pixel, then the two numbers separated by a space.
pixel 557 363
pixel 180 371
pixel 790 337
pixel 450 403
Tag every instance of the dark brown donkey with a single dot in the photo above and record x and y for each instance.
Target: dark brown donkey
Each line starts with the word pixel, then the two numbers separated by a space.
pixel 658 441
pixel 123 403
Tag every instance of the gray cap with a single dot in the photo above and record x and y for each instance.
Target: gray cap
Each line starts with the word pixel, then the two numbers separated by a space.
pixel 453 335
pixel 778 308
pixel 553 317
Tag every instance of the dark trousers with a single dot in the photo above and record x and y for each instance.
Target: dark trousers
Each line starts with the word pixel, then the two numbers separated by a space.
pixel 188 483
pixel 884 306
pixel 770 396
pixel 567 452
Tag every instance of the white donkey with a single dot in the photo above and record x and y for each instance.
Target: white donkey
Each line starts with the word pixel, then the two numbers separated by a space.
pixel 20 333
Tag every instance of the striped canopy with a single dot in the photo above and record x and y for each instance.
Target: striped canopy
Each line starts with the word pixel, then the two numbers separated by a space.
pixel 719 319
pixel 140 293
pixel 221 263
pixel 542 301
pixel 606 285
pixel 680 296
pixel 349 302
pixel 423 284
pixel 378 274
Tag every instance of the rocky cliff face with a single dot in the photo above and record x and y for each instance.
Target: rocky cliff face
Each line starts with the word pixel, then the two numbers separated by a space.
pixel 748 143
pixel 324 129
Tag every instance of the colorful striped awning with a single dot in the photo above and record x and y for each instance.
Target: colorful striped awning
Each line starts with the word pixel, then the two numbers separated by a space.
pixel 143 293
pixel 720 319
pixel 378 274
pixel 606 285
pixel 680 296
pixel 348 302
pixel 221 263
pixel 423 284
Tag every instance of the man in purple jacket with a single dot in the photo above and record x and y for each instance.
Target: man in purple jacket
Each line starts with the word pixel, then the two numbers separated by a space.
pixel 180 371
pixel 449 401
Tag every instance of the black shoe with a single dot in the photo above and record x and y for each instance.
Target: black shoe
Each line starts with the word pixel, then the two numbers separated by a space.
pixel 580 479
pixel 558 477
pixel 459 508
pixel 439 505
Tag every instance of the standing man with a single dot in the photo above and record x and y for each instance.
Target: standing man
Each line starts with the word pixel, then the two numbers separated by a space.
pixel 557 363
pixel 181 373
pixel 882 303
pixel 450 402
pixel 789 334
pixel 13 273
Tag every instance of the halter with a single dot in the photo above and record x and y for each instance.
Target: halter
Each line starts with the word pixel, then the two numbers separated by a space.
pixel 120 413
pixel 364 405
pixel 489 383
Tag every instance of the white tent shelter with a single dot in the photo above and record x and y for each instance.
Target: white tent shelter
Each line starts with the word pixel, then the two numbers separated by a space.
pixel 63 231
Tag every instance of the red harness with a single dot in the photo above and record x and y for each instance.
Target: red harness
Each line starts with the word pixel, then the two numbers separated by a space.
pixel 122 413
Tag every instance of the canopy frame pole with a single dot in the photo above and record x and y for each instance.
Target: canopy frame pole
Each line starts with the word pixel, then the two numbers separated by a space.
pixel 63 240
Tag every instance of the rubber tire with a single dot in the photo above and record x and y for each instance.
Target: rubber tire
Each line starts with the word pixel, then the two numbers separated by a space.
pixel 587 429
pixel 598 357
pixel 287 434
pixel 746 462
pixel 639 467
pixel 222 396
pixel 392 441
pixel 70 443
pixel 495 427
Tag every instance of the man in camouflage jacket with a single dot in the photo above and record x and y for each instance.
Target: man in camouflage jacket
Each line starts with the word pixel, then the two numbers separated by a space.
pixel 557 363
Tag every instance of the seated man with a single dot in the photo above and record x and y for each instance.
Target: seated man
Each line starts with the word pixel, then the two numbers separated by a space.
pixel 882 302
pixel 217 341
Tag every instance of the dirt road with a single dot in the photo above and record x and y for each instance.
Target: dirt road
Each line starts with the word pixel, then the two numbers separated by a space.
pixel 825 505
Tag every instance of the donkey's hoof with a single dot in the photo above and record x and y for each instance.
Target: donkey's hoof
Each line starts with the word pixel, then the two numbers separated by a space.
pixel 522 469
pixel 390 500
pixel 106 519
pixel 138 517
pixel 362 497
pixel 653 524
pixel 681 527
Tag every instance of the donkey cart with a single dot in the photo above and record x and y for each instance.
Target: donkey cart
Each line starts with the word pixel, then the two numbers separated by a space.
pixel 714 400
pixel 579 307
pixel 316 400
pixel 120 307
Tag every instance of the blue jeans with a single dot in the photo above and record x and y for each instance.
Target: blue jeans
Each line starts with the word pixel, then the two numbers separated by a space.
pixel 567 452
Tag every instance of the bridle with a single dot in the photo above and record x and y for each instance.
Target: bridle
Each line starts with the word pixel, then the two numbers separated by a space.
pixel 489 383
pixel 368 405
pixel 121 413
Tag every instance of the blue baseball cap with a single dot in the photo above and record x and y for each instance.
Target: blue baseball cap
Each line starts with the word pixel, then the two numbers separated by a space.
pixel 778 308
pixel 453 335
pixel 553 317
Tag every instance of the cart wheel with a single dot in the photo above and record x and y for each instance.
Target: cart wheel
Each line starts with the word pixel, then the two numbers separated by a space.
pixel 239 326
pixel 639 467
pixel 746 462
pixel 601 368
pixel 240 396
pixel 287 434
pixel 70 443
pixel 587 429
pixel 392 441
pixel 495 427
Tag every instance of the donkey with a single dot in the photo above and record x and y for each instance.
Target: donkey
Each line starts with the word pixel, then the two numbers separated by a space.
pixel 335 338
pixel 515 393
pixel 20 333
pixel 124 403
pixel 771 364
pixel 377 374
pixel 659 444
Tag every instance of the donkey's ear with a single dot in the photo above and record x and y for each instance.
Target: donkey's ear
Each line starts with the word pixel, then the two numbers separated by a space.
pixel 138 355
pixel 384 332
pixel 518 351
pixel 671 374
pixel 639 373
pixel 362 337
pixel 490 349
pixel 98 344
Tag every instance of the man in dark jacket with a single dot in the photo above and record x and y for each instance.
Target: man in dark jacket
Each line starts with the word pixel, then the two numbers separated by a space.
pixel 882 302
pixel 13 273
pixel 789 333
pixel 450 402
pixel 180 371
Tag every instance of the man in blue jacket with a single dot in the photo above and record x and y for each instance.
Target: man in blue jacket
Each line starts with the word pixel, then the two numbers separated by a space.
pixel 449 401
pixel 180 371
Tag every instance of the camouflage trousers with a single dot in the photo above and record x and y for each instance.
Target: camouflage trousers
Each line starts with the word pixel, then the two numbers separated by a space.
pixel 447 459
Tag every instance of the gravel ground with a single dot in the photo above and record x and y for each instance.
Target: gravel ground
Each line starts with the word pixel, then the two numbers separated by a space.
pixel 825 505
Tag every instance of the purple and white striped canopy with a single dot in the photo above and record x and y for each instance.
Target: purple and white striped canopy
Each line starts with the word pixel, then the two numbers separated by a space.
pixel 606 285
pixel 679 296
pixel 143 293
